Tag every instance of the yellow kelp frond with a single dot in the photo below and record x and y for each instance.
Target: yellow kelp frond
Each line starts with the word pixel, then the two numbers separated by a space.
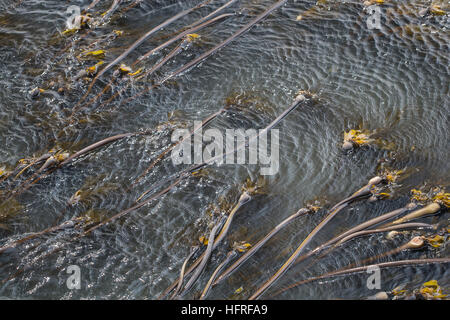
pixel 436 194
pixel 436 241
pixel 84 19
pixel 418 195
pixel 70 31
pixel 62 156
pixel 94 69
pixel 203 240
pixel 34 93
pixel 398 292
pixel 201 173
pixel 436 10
pixel 3 171
pixel 431 290
pixel 356 138
pixel 98 54
pixel 25 161
pixel 138 71
pixel 242 246
pixel 192 37
pixel 392 175
pixel 257 187
pixel 442 198
pixel 124 69
pixel 359 137
pixel 371 2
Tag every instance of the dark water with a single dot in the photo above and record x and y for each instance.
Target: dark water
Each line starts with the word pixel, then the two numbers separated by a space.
pixel 393 81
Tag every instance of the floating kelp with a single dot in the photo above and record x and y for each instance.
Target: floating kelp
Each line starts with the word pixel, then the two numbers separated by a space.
pixel 356 231
pixel 392 175
pixel 419 196
pixel 223 205
pixel 249 189
pixel 189 38
pixel 193 26
pixel 92 217
pixel 83 22
pixel 342 272
pixel 356 138
pixel 299 99
pixel 411 225
pixel 166 184
pixel 439 8
pixel 413 244
pixel 260 243
pixel 231 255
pixel 60 159
pixel 4 173
pixel 333 211
pixel 212 51
pixel 242 246
pixel 243 199
pixel 27 163
pixel 182 271
pixel 172 146
pixel 430 209
pixel 391 178
pixel 96 54
pixel 127 70
pixel 206 255
pixel 431 290
pixel 435 241
pixel 50 162
pixel 372 2
pixel 136 44
pixel 72 223
pixel 114 6
pixel 442 198
pixel 181 36
pixel 94 69
pixel 91 5
pixel 237 247
pixel 436 194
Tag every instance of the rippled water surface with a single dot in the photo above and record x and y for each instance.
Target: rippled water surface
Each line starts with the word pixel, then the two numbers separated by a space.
pixel 392 81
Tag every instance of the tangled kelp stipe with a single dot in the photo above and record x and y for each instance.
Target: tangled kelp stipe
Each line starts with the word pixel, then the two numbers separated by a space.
pixel 87 114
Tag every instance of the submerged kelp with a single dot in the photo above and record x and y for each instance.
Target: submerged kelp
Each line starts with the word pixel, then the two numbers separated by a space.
pixel 101 110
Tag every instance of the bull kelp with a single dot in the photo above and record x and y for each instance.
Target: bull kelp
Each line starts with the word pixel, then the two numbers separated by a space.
pixel 332 115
